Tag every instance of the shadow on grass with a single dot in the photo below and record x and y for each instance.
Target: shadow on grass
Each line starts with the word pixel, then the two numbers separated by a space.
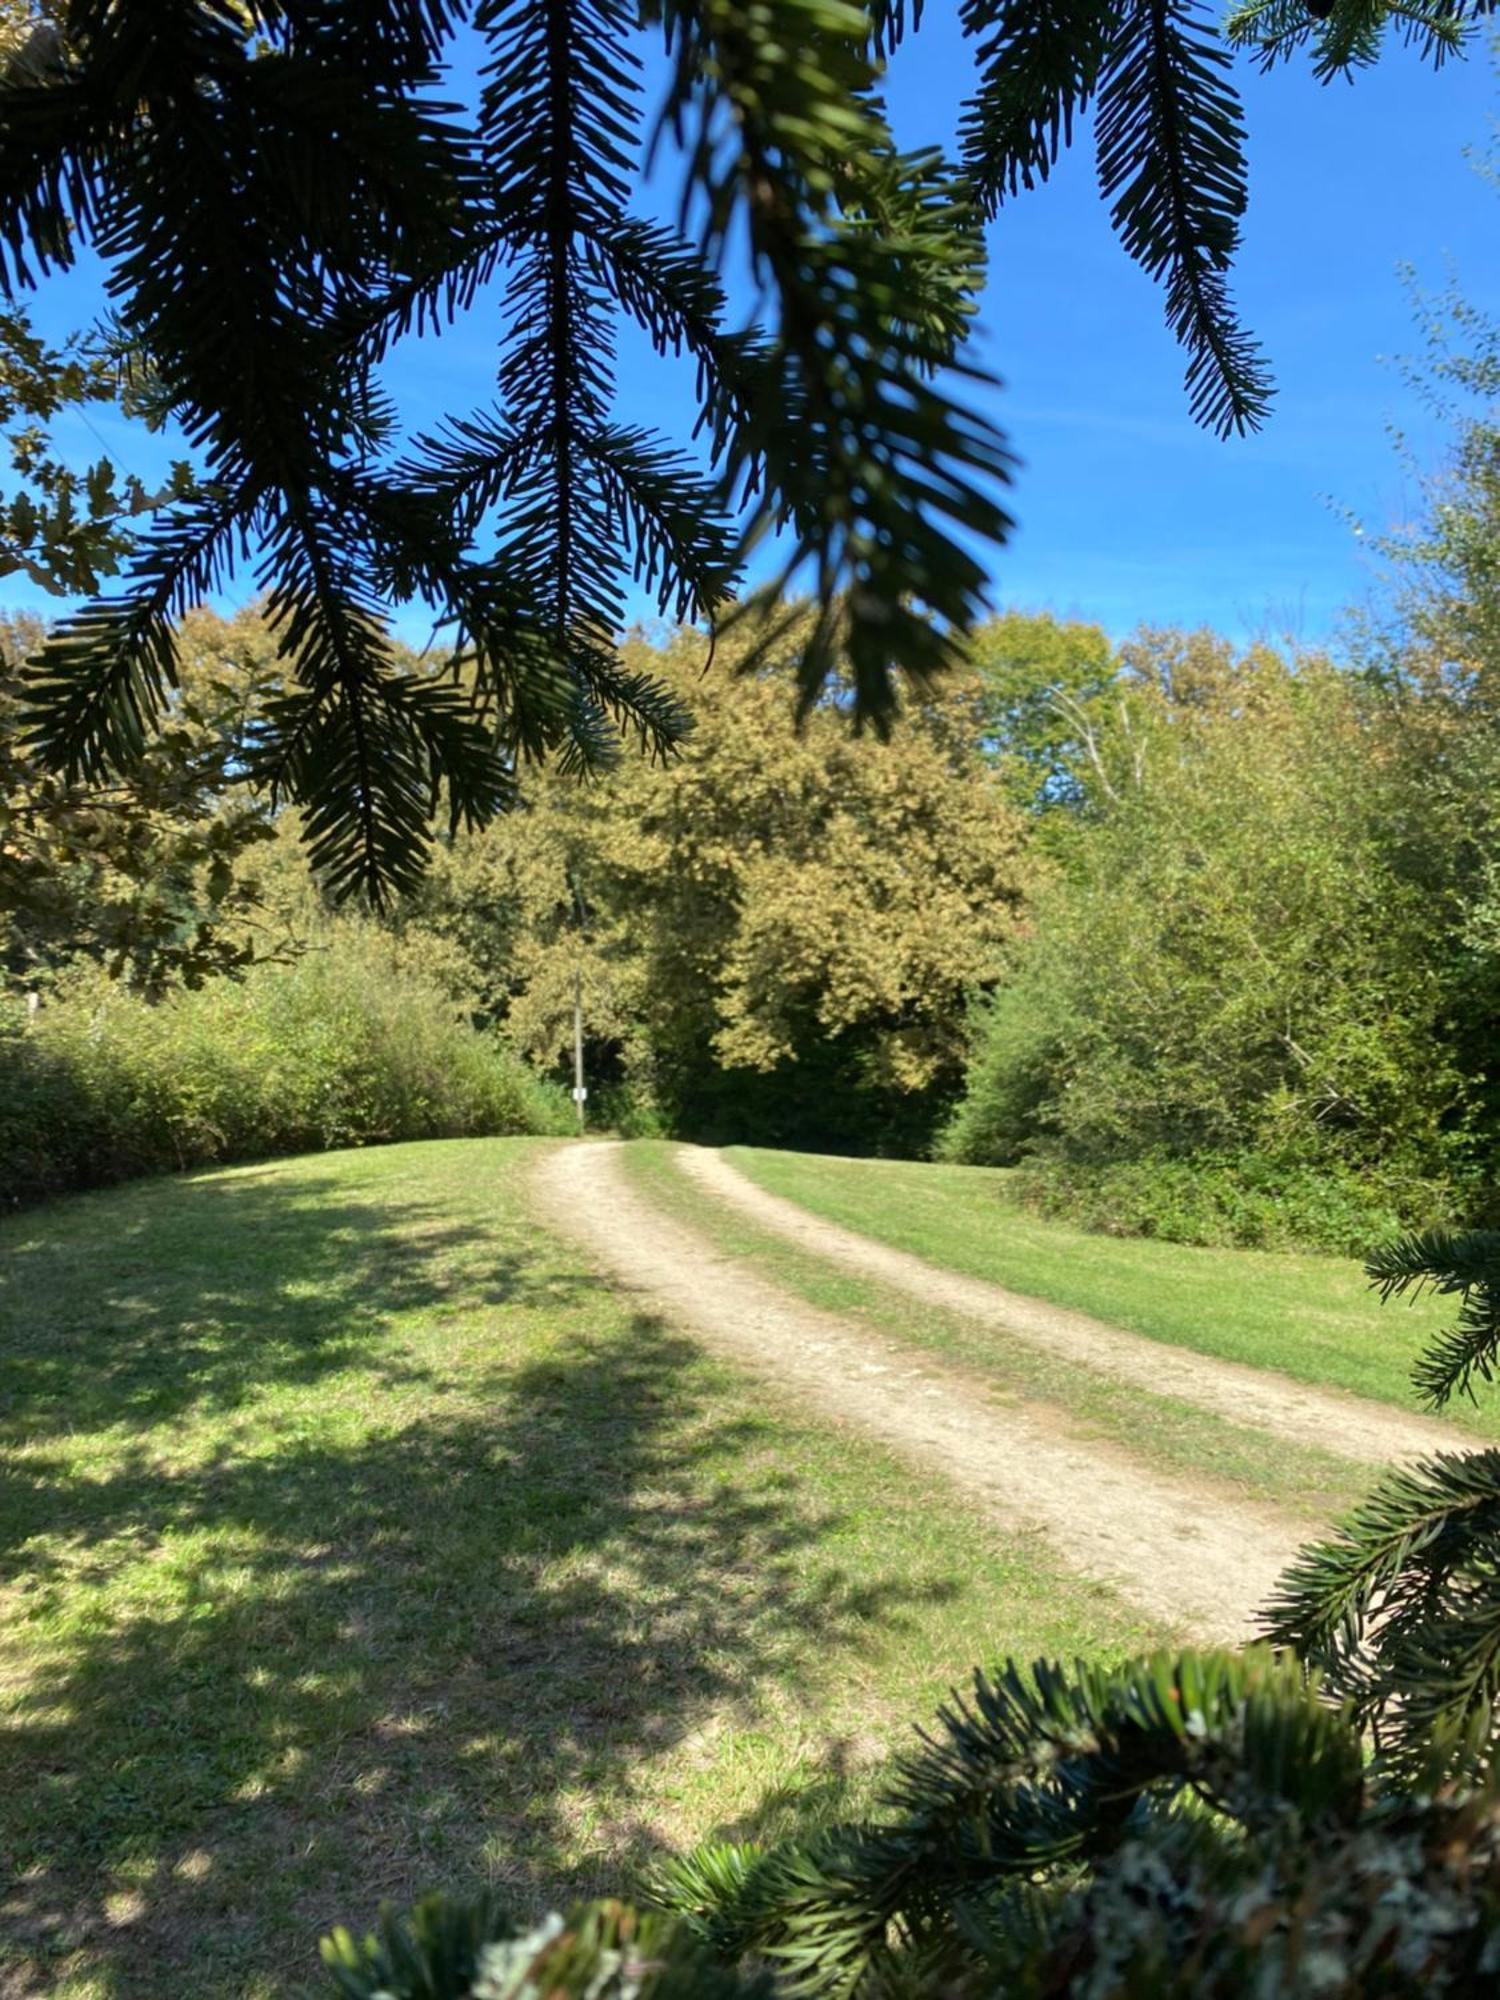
pixel 199 1293
pixel 440 1649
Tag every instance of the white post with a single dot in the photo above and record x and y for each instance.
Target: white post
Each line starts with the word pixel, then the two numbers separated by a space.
pixel 580 1095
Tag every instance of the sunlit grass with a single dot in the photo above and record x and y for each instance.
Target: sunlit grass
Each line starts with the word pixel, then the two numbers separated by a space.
pixel 1170 1433
pixel 356 1540
pixel 1312 1317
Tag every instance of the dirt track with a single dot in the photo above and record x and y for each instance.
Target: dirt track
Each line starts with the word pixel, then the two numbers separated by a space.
pixel 1191 1559
pixel 1370 1433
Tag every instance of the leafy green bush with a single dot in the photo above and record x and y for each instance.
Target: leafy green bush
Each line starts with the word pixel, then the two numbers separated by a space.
pixel 344 1048
pixel 1016 1054
pixel 1224 1199
pixel 1238 1015
pixel 625 1108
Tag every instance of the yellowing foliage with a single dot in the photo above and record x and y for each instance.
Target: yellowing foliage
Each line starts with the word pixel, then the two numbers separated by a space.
pixel 774 894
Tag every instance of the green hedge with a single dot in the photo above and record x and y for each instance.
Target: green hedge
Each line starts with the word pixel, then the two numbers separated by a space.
pixel 1245 1200
pixel 343 1048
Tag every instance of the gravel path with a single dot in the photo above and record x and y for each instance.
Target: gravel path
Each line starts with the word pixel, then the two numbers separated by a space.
pixel 1370 1433
pixel 1193 1560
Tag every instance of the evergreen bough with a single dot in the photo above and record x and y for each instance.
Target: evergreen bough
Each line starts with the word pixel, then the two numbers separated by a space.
pixel 1182 1827
pixel 449 1950
pixel 279 191
pixel 1401 1607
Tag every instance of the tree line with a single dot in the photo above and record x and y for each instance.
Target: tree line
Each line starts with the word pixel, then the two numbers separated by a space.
pixel 1200 940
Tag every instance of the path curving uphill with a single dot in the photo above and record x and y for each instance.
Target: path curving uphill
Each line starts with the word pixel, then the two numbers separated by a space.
pixel 1369 1433
pixel 1197 1563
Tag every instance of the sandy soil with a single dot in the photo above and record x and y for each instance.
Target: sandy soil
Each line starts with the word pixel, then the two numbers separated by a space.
pixel 1192 1560
pixel 1371 1433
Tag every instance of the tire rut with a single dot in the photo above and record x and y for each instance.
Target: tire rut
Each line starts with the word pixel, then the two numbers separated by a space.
pixel 1366 1432
pixel 1191 1559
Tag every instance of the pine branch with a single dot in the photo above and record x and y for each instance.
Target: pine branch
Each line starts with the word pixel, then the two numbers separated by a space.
pixel 1351 34
pixel 477 464
pixel 365 748
pixel 240 344
pixel 599 1951
pixel 683 549
pixel 423 300
pixel 1171 159
pixel 1039 67
pixel 673 294
pixel 614 703
pixel 50 178
pixel 100 684
pixel 1401 1608
pixel 891 21
pixel 398 44
pixel 573 491
pixel 876 470
pixel 1036 1771
pixel 1446 1262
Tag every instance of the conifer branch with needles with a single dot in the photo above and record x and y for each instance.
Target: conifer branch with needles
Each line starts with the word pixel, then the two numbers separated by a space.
pixel 280 194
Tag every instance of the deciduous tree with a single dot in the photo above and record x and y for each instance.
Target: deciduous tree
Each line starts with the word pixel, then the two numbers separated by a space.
pixel 148 872
pixel 777 932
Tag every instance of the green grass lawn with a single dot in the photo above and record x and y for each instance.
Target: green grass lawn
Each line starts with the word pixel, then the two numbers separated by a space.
pixel 357 1540
pixel 1312 1317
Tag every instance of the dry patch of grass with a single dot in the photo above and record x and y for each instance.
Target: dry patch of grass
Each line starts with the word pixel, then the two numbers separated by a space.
pixel 354 1540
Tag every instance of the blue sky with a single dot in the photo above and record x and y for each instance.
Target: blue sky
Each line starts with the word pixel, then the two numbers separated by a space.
pixel 1126 512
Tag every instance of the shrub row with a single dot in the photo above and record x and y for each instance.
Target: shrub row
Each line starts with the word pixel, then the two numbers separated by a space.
pixel 1242 1199
pixel 343 1048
